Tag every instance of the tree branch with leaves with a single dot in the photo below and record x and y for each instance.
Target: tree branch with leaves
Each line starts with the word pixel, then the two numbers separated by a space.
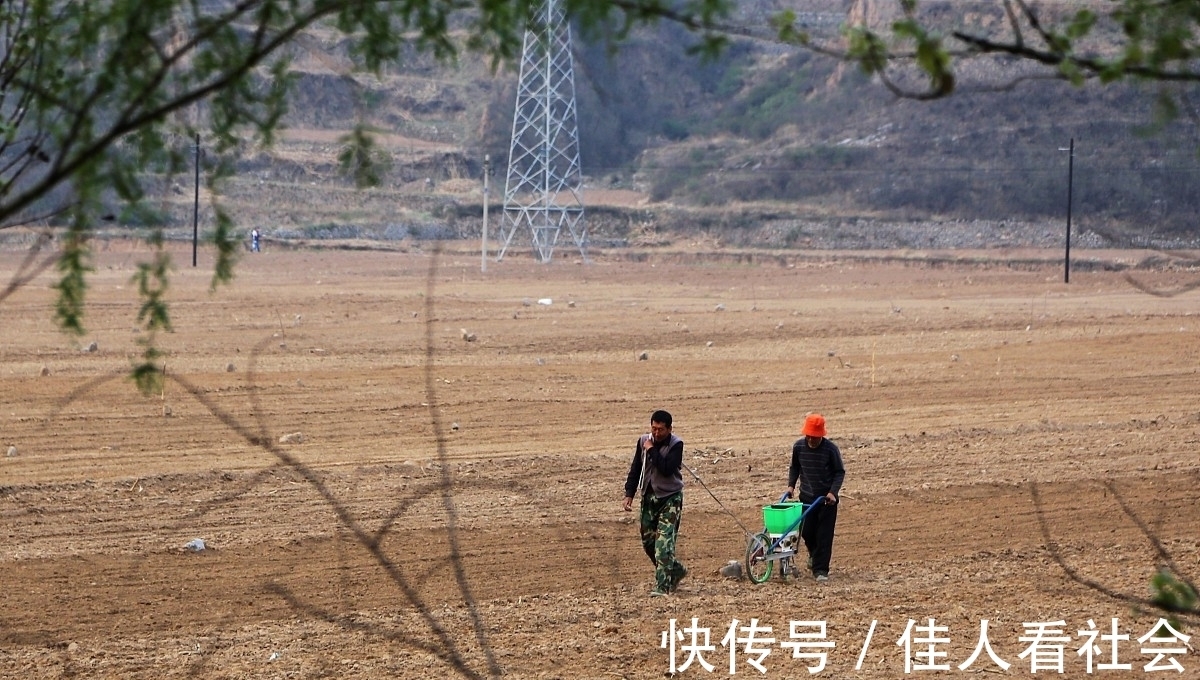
pixel 1111 41
pixel 97 99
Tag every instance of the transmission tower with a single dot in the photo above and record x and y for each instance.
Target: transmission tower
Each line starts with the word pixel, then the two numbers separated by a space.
pixel 544 183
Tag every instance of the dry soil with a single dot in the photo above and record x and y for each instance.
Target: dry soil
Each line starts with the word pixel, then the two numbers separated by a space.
pixel 402 466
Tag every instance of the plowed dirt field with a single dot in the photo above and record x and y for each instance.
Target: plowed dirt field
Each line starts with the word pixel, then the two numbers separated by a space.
pixel 403 467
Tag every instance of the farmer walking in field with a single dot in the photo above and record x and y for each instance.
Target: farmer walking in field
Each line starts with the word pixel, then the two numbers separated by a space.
pixel 817 463
pixel 655 475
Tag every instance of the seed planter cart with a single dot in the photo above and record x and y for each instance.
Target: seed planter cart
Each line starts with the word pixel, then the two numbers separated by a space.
pixel 778 541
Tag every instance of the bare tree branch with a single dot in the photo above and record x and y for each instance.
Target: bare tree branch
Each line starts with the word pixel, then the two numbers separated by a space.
pixel 1073 574
pixel 30 266
pixel 1160 550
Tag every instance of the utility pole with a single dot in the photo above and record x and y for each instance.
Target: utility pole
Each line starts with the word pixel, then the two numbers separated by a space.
pixel 196 204
pixel 487 170
pixel 1070 183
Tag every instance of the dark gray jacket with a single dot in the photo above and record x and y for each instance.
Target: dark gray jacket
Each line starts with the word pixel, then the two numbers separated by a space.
pixel 663 474
pixel 820 470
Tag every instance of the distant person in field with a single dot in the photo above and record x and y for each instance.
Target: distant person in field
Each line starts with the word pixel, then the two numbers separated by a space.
pixel 254 241
pixel 817 463
pixel 655 476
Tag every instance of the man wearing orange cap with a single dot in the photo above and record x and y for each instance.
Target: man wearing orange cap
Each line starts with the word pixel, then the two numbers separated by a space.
pixel 817 463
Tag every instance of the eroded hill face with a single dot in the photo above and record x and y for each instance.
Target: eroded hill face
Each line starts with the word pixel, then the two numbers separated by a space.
pixel 765 133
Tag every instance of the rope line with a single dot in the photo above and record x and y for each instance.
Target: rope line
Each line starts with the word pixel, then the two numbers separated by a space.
pixel 749 534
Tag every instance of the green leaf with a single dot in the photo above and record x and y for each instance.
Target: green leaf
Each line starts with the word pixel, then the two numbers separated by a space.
pixel 866 48
pixel 152 283
pixel 1172 595
pixel 74 263
pixel 226 243
pixel 148 375
pixel 362 160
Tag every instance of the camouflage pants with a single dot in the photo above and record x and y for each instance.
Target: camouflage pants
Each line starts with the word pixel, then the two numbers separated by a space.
pixel 660 529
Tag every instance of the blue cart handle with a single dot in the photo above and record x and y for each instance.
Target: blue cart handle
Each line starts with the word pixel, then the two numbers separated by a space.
pixel 815 503
pixel 819 500
pixel 800 520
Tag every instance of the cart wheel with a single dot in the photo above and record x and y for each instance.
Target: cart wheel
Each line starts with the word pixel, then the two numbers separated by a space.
pixel 757 566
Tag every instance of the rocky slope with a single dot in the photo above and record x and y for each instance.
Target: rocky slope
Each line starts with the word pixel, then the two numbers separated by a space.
pixel 766 146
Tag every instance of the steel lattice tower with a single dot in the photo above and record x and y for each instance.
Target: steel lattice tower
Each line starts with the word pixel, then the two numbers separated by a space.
pixel 544 183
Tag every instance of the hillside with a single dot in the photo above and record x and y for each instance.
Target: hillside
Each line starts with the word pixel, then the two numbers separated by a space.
pixel 766 146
